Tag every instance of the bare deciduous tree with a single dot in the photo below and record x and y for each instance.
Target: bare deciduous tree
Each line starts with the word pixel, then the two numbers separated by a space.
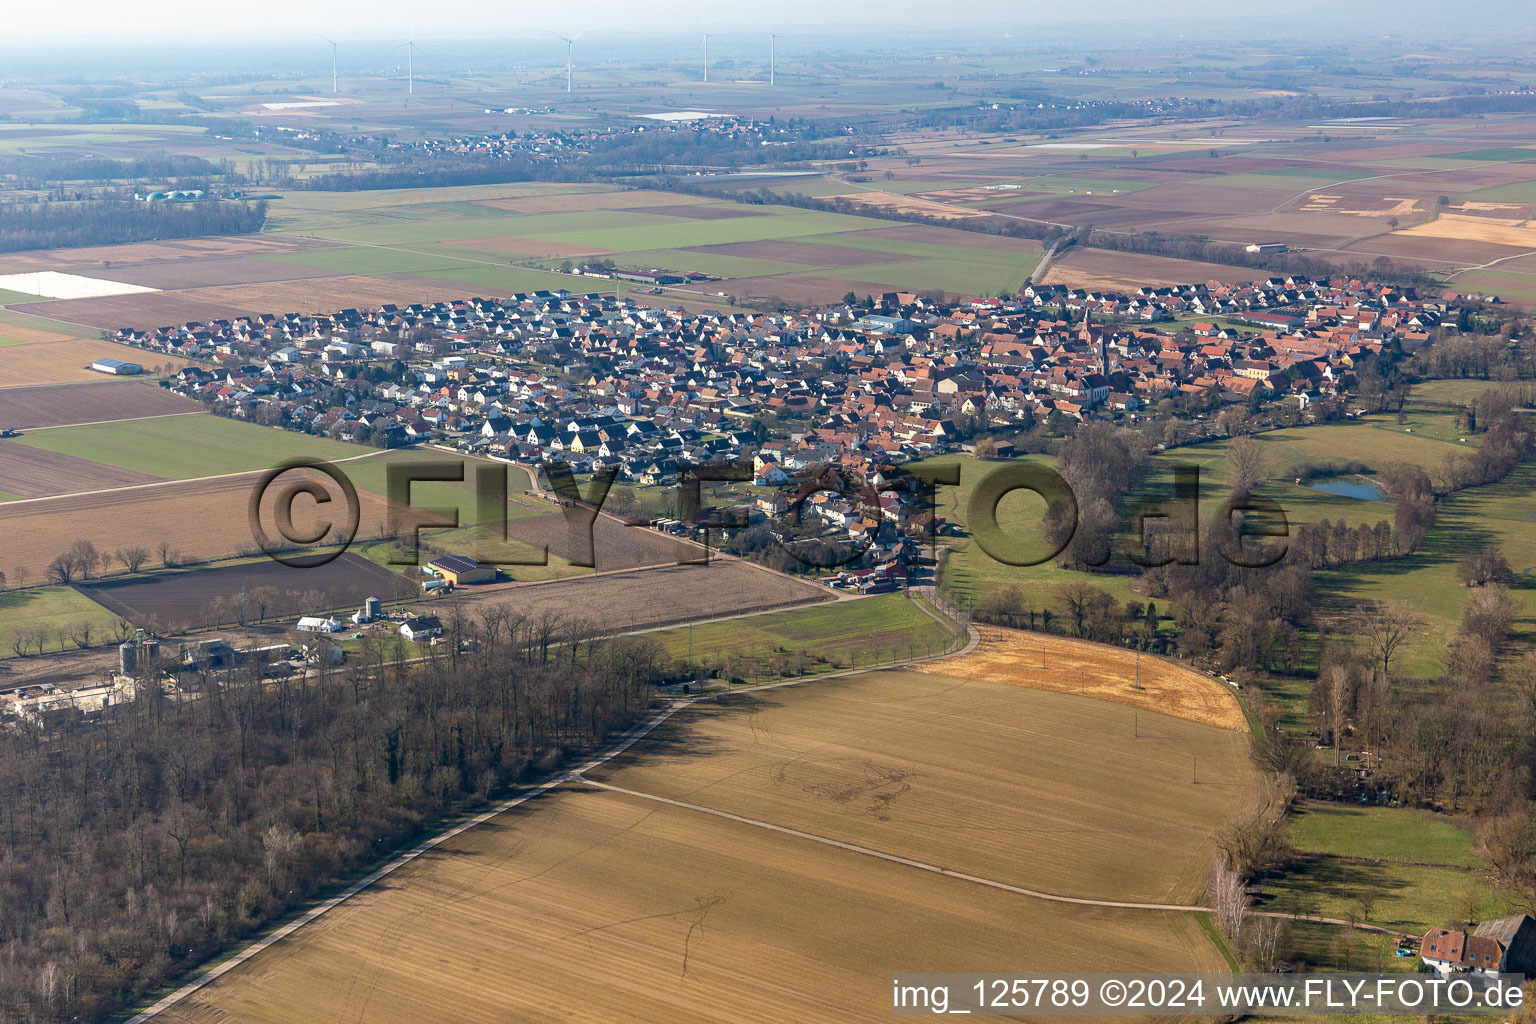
pixel 1228 895
pixel 133 558
pixel 1246 460
pixel 1341 696
pixel 1386 628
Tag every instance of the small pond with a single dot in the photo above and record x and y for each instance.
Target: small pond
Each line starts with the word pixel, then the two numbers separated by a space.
pixel 1350 487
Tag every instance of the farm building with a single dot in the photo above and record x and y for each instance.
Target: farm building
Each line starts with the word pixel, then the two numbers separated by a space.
pixel 421 627
pixel 1267 247
pixel 459 571
pixel 1505 944
pixel 118 367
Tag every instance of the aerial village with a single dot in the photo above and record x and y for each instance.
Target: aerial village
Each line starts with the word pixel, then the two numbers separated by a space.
pixel 603 382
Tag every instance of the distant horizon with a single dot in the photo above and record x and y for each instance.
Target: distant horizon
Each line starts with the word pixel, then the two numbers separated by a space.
pixel 113 26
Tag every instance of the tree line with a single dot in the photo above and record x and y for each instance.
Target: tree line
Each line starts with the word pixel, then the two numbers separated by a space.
pixel 137 846
pixel 107 222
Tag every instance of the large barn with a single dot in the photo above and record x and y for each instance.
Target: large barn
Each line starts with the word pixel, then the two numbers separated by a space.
pixel 459 571
pixel 117 367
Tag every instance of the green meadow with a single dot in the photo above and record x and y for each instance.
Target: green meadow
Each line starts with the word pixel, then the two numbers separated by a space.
pixel 1503 513
pixel 46 610
pixel 821 638
pixel 1393 867
pixel 184 447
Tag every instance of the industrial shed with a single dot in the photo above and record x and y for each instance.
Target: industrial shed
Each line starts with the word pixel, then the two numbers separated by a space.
pixel 117 367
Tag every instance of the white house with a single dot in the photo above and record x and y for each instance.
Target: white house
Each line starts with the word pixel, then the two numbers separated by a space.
pixel 421 627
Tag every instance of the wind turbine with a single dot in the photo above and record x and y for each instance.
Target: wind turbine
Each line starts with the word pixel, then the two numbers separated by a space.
pixel 570 46
pixel 771 38
pixel 333 64
pixel 706 56
pixel 409 46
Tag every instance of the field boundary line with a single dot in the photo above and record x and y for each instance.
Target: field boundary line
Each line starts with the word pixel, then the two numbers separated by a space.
pixel 100 423
pixel 576 777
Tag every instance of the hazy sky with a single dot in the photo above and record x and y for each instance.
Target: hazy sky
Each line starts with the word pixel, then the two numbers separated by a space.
pixel 297 19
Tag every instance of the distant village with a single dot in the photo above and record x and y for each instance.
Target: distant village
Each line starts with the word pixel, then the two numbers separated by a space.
pixel 599 381
pixel 550 146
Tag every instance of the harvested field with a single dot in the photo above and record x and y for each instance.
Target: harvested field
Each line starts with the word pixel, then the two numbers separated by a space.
pixel 933 235
pixel 1120 271
pixel 1474 208
pixel 100 402
pixel 1042 661
pixel 1107 214
pixel 583 202
pixel 65 362
pixel 912 204
pixel 1477 229
pixel 932 767
pixel 614 545
pixel 31 335
pixel 1358 205
pixel 34 473
pixel 594 906
pixel 599 905
pixel 207 273
pixel 157 309
pixel 532 248
pixel 701 212
pixel 201 520
pixel 799 288
pixel 176 598
pixel 1319 229
pixel 1454 251
pixel 306 294
pixel 808 253
pixel 648 598
pixel 143 252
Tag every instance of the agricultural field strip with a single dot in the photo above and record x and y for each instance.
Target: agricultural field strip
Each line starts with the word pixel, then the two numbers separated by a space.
pixel 1485 266
pixel 173 482
pixel 125 419
pixel 577 777
pixel 1275 209
pixel 399 248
